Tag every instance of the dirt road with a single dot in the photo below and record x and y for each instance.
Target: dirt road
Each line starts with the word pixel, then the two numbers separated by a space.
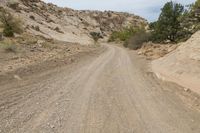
pixel 109 93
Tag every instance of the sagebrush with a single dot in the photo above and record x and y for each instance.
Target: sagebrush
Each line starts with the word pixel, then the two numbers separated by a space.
pixel 10 24
pixel 96 36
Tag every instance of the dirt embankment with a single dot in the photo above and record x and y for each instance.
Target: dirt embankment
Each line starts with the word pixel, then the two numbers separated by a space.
pixel 21 56
pixel 181 66
pixel 155 51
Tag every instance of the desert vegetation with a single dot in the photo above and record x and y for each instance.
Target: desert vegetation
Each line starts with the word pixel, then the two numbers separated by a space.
pixel 9 23
pixel 96 36
pixel 131 37
pixel 124 34
pixel 8 46
pixel 168 27
pixel 13 4
pixel 175 24
pixel 137 40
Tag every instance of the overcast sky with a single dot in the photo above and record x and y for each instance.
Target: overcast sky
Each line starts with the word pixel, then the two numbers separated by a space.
pixel 148 9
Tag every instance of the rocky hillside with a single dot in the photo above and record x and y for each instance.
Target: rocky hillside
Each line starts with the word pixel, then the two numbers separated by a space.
pixel 66 24
pixel 182 65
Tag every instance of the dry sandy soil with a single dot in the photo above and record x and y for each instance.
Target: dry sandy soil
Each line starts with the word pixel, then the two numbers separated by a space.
pixel 154 51
pixel 181 66
pixel 108 91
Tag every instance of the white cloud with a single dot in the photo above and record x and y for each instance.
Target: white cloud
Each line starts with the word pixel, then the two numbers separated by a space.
pixel 145 8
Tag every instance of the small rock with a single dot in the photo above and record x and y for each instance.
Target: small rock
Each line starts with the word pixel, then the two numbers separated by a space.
pixel 10 67
pixel 40 42
pixel 186 89
pixel 139 53
pixel 71 60
pixel 32 50
pixel 52 126
pixel 15 58
pixel 17 77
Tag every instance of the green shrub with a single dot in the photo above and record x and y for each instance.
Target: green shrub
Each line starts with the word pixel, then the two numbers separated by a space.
pixel 196 5
pixel 8 31
pixel 124 34
pixel 133 38
pixel 175 24
pixel 96 36
pixel 10 24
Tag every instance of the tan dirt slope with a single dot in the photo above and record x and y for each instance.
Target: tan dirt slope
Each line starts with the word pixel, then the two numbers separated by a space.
pixel 182 65
pixel 66 24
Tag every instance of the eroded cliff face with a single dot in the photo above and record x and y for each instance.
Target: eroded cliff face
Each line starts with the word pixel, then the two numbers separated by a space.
pixel 66 24
pixel 182 66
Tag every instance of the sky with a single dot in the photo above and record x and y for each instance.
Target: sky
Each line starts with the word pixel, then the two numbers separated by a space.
pixel 149 9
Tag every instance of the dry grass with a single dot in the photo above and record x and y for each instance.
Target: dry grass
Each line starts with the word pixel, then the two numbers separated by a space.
pixel 8 46
pixel 10 23
pixel 27 39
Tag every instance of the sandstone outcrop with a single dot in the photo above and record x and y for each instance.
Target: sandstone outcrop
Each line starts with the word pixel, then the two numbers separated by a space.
pixel 182 66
